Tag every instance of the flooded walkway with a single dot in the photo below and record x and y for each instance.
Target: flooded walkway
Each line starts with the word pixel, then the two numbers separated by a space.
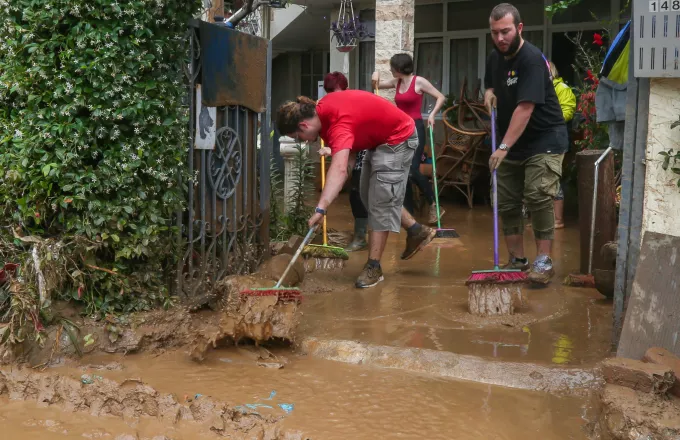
pixel 423 302
pixel 330 400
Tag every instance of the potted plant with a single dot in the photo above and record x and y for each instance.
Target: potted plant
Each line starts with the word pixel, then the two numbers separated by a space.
pixel 348 32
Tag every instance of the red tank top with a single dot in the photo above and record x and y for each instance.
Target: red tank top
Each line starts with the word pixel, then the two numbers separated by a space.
pixel 409 102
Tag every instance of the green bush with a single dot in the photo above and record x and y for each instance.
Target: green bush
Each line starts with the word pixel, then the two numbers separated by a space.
pixel 93 135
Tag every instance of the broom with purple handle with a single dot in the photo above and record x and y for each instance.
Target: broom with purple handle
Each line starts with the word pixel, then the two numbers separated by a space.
pixel 496 275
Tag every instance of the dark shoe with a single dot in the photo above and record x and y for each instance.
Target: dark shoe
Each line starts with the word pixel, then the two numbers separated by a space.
pixel 359 241
pixel 517 264
pixel 542 270
pixel 414 243
pixel 369 277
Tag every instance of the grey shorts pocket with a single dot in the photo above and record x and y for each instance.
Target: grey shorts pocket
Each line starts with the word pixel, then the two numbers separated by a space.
pixel 389 188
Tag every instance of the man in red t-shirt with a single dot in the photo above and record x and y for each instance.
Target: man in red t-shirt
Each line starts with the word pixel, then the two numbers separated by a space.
pixel 350 122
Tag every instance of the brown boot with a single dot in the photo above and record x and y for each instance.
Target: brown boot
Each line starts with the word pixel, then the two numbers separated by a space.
pixel 414 243
pixel 559 214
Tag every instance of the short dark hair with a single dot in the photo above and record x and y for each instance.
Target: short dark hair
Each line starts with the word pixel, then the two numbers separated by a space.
pixel 402 63
pixel 500 11
pixel 291 113
pixel 334 80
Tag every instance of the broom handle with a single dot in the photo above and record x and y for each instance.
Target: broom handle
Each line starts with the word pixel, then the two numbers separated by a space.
pixel 323 185
pixel 494 194
pixel 297 254
pixel 434 178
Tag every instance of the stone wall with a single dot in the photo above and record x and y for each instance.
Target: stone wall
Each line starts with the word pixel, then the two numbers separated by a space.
pixel 393 34
pixel 661 211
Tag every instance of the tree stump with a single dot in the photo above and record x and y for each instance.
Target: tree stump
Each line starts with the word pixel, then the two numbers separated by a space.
pixel 605 221
pixel 494 299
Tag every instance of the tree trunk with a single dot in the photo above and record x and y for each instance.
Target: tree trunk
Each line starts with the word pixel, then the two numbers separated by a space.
pixel 605 219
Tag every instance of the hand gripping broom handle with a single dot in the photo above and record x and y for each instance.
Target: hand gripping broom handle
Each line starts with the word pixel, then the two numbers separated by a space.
pixel 494 195
pixel 304 243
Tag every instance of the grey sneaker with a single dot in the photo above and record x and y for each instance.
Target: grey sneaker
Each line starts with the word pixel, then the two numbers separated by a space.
pixel 416 242
pixel 369 277
pixel 542 270
pixel 518 264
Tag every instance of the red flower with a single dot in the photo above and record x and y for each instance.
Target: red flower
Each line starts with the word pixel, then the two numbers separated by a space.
pixel 597 39
pixel 590 75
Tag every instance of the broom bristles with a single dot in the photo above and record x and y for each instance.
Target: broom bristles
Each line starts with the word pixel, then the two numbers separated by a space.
pixel 447 233
pixel 497 277
pixel 321 251
pixel 285 293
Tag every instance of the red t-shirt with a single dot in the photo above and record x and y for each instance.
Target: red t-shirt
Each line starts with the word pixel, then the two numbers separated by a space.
pixel 357 120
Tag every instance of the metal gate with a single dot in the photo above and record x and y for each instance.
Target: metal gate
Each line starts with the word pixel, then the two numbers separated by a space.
pixel 224 228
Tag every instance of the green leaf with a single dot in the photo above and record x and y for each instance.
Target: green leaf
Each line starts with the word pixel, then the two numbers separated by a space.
pixel 46 170
pixel 115 238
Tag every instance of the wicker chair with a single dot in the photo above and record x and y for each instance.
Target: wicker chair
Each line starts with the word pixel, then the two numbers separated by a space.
pixel 463 157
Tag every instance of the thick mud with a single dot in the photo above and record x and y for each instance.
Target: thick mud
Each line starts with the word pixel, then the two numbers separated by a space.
pixel 329 400
pixel 131 400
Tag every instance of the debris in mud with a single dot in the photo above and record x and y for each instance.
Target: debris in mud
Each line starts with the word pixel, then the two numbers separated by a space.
pixel 661 356
pixel 137 401
pixel 633 415
pixel 637 375
pixel 260 319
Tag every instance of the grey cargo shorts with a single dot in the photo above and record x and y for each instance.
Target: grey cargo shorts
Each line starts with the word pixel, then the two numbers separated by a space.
pixel 384 176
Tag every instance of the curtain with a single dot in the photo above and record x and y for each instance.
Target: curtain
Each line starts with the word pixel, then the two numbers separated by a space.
pixel 366 64
pixel 429 65
pixel 464 64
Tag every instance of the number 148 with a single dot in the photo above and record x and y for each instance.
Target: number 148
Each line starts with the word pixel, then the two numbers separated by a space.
pixel 664 5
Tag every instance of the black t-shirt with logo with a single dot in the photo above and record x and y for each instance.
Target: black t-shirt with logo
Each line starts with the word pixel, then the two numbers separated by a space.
pixel 526 78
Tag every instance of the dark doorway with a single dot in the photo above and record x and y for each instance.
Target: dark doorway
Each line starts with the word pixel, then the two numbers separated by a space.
pixel 564 53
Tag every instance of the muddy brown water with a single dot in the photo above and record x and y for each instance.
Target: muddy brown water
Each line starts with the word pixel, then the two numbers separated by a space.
pixel 338 401
pixel 423 301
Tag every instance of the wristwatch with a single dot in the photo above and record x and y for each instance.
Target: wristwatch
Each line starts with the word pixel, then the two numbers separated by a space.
pixel 320 211
pixel 503 147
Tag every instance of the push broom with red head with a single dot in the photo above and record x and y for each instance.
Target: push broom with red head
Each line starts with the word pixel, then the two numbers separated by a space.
pixel 495 275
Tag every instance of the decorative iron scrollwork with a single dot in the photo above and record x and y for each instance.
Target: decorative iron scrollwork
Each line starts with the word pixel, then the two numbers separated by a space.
pixel 225 163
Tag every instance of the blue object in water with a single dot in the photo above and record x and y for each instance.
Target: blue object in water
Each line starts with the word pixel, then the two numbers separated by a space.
pixel 271 396
pixel 287 407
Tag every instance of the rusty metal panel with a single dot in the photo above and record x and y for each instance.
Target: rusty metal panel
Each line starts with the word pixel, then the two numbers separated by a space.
pixel 234 68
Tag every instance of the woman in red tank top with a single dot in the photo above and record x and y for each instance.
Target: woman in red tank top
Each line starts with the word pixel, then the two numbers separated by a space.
pixel 409 99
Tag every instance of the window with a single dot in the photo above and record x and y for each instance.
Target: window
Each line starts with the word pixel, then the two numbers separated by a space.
pixel 469 15
pixel 464 64
pixel 428 18
pixel 366 64
pixel 311 73
pixel 533 37
pixel 429 62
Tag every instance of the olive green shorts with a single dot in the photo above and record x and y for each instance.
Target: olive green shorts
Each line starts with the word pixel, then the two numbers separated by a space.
pixel 533 182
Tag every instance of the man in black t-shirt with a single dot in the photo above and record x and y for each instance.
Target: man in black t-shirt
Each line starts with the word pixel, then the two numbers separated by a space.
pixel 533 138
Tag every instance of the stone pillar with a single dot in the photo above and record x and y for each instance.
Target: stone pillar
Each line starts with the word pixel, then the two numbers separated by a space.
pixel 393 34
pixel 289 152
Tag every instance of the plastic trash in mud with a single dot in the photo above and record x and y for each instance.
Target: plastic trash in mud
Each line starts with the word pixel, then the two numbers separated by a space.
pixel 287 407
pixel 86 379
pixel 251 408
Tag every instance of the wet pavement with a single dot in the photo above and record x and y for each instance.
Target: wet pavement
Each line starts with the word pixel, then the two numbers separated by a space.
pixel 331 400
pixel 423 302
